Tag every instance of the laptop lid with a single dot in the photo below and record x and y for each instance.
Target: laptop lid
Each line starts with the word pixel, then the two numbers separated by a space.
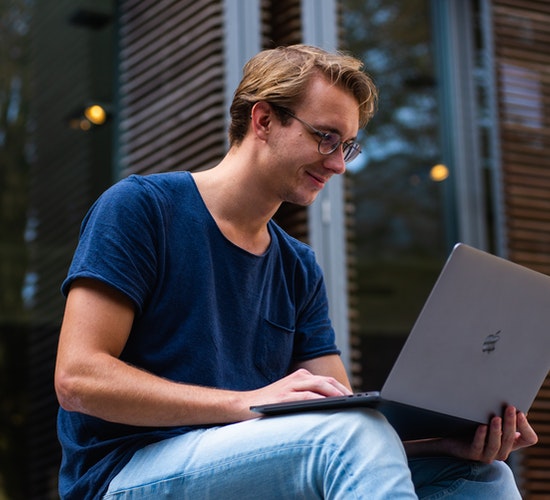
pixel 481 341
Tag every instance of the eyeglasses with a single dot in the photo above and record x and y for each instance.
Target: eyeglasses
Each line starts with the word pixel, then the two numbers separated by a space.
pixel 329 141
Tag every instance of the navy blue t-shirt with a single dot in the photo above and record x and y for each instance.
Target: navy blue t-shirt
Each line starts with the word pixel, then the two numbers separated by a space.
pixel 207 311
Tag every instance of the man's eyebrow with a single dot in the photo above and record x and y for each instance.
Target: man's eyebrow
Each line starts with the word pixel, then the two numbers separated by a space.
pixel 336 131
pixel 339 132
pixel 330 128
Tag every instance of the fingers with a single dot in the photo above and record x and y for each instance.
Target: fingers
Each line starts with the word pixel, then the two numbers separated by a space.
pixel 527 435
pixel 318 384
pixel 340 388
pixel 516 433
pixel 299 385
pixel 478 444
pixel 494 441
pixel 498 446
pixel 502 436
pixel 509 433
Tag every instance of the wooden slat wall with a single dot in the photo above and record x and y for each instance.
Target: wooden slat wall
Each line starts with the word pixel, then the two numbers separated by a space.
pixel 522 48
pixel 171 85
pixel 281 22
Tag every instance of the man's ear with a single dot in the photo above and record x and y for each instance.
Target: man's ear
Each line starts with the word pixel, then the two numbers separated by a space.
pixel 261 119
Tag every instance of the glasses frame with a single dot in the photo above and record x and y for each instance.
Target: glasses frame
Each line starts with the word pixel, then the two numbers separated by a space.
pixel 350 149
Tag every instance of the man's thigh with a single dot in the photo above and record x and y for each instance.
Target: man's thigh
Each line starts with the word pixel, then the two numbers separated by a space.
pixel 352 454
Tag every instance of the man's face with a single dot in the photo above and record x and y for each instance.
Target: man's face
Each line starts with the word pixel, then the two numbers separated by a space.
pixel 300 169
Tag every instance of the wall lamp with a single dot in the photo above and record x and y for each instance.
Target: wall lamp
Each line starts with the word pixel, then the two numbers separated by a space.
pixel 90 116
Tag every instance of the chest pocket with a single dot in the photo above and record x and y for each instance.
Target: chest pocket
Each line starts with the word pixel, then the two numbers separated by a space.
pixel 273 350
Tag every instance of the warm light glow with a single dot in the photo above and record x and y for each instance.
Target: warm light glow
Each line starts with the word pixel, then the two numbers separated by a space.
pixel 96 114
pixel 439 173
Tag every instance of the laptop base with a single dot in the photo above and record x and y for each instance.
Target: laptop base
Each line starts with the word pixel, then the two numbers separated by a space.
pixel 410 422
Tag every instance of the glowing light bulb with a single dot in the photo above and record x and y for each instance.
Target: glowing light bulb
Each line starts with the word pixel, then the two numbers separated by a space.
pixel 96 114
pixel 439 172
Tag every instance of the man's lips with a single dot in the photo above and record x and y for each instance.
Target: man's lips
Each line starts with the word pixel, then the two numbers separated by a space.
pixel 319 179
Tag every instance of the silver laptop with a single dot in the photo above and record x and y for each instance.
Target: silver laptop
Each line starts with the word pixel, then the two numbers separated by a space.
pixel 482 341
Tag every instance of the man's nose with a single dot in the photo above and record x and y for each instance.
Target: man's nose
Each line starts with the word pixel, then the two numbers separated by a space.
pixel 335 161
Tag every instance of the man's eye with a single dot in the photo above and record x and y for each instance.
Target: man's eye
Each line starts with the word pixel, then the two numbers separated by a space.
pixel 332 139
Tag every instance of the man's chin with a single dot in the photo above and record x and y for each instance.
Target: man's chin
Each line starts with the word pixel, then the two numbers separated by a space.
pixel 304 203
pixel 304 199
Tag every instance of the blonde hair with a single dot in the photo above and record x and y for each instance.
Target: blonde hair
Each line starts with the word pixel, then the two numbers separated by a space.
pixel 281 76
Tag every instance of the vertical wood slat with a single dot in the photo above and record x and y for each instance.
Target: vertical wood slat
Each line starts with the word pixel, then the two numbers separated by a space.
pixel 522 49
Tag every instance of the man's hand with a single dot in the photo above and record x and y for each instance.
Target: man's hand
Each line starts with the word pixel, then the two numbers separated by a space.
pixel 494 441
pixel 314 378
pixel 299 385
pixel 497 440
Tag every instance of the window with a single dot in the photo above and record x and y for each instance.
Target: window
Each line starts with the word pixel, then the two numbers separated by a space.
pixel 403 215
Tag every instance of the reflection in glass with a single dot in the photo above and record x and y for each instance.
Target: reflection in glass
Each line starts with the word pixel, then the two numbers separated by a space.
pixel 399 207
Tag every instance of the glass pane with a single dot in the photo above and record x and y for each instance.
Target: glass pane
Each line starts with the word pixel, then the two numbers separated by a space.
pixel 56 60
pixel 398 184
pixel 14 187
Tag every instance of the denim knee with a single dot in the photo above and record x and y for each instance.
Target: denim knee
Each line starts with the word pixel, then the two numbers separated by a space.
pixel 501 474
pixel 448 477
pixel 367 458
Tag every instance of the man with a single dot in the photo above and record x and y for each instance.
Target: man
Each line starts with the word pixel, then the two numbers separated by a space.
pixel 186 305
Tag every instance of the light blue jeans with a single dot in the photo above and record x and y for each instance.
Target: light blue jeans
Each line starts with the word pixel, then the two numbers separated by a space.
pixel 353 454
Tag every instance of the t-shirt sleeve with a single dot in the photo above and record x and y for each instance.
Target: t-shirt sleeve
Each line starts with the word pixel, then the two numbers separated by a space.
pixel 118 240
pixel 315 335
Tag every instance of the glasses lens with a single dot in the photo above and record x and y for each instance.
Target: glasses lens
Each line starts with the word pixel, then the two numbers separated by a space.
pixel 351 150
pixel 329 143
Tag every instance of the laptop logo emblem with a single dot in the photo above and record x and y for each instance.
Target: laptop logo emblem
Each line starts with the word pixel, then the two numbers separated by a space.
pixel 489 344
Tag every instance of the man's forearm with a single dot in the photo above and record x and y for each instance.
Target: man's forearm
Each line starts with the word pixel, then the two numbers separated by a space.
pixel 117 392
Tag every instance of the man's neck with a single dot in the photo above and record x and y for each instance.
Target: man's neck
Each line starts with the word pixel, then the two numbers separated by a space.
pixel 237 204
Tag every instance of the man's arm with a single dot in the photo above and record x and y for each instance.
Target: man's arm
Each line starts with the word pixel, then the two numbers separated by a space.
pixel 90 378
